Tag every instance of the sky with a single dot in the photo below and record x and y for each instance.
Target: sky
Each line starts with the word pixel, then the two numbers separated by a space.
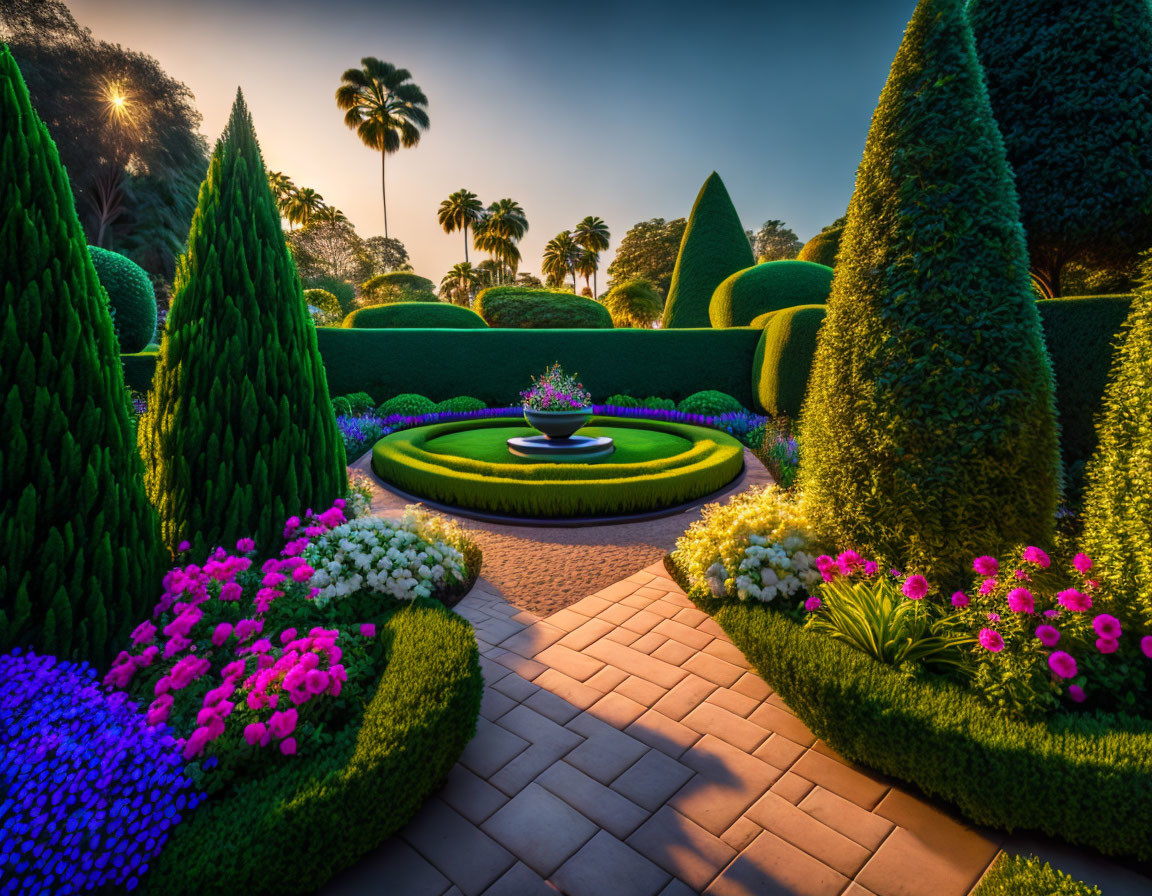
pixel 615 109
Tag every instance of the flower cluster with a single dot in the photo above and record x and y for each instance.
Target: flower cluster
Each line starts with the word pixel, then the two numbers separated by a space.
pixel 754 547
pixel 555 390
pixel 411 557
pixel 90 790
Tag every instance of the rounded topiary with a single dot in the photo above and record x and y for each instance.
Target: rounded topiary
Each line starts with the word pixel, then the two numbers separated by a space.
pixel 768 287
pixel 823 248
pixel 783 359
pixel 709 403
pixel 130 295
pixel 326 304
pixel 460 405
pixel 415 315
pixel 517 307
pixel 406 404
pixel 398 286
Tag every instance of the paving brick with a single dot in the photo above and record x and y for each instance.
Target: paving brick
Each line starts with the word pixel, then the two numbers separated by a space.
pixel 652 590
pixel 854 889
pixel 494 704
pixel 606 679
pixel 752 685
pixel 590 606
pixel 771 866
pixel 707 718
pixel 592 630
pixel 519 881
pixel 567 619
pixel 840 779
pixel 526 768
pixel 907 865
pixel 679 599
pixel 643 692
pixel 775 719
pixel 566 688
pixel 637 600
pixel 606 751
pixel 677 887
pixel 540 829
pixel 492 670
pixel 710 626
pixel 672 651
pixel 652 779
pixel 725 650
pixel 525 668
pixel 617 614
pixel 866 828
pixel 515 687
pixel 776 814
pixel 466 855
pixel 618 590
pixel 550 705
pixel 792 787
pixel 491 749
pixel 621 635
pixel 397 863
pixel 604 865
pixel 688 693
pixel 495 630
pixel 614 813
pixel 691 616
pixel 727 783
pixel 733 701
pixel 525 618
pixel 617 710
pixel 640 578
pixel 636 663
pixel 471 795
pixel 538 729
pixel 572 663
pixel 682 848
pixel 742 832
pixel 666 735
pixel 685 634
pixel 642 622
pixel 649 642
pixel 707 666
pixel 779 751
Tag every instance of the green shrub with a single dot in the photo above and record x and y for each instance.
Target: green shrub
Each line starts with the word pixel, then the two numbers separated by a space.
pixel 406 404
pixel 459 405
pixel 652 403
pixel 714 247
pixel 634 303
pixel 239 434
pixel 1020 876
pixel 783 359
pixel 929 430
pixel 415 314
pixel 79 541
pixel 1087 780
pixel 404 281
pixel 767 287
pixel 354 404
pixel 551 309
pixel 294 829
pixel 131 296
pixel 139 369
pixel 823 248
pixel 345 293
pixel 1118 503
pixel 709 403
pixel 327 306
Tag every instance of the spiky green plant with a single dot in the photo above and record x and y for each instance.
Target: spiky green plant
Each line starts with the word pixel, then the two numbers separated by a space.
pixel 928 429
pixel 78 540
pixel 239 433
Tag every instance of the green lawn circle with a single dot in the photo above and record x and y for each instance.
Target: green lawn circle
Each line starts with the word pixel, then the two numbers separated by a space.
pixel 490 443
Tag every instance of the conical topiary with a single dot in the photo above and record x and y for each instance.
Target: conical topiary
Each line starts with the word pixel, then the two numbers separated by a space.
pixel 239 433
pixel 1118 504
pixel 928 432
pixel 714 247
pixel 79 543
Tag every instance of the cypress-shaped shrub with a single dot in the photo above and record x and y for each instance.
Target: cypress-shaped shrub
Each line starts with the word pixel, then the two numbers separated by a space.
pixel 131 297
pixel 714 247
pixel 239 433
pixel 928 429
pixel 79 543
pixel 1118 503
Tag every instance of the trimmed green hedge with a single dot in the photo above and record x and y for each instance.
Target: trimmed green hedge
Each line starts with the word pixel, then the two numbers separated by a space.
pixel 291 831
pixel 540 309
pixel 1028 876
pixel 405 281
pixel 1083 779
pixel 424 315
pixel 766 287
pixel 823 248
pixel 131 296
pixel 784 358
pixel 139 369
pixel 557 491
pixel 709 403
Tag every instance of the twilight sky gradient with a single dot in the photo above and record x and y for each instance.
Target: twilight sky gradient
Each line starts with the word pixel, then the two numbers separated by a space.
pixel 616 109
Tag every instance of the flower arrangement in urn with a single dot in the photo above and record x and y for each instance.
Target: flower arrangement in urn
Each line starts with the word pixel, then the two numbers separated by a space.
pixel 557 404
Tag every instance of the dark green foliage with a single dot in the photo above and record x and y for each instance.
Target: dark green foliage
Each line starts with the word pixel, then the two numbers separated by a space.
pixel 714 247
pixel 345 292
pixel 1086 780
pixel 293 830
pixel 398 286
pixel 239 433
pixel 783 359
pixel 1029 876
pixel 651 403
pixel 1071 88
pixel 929 430
pixel 824 247
pixel 710 403
pixel 768 287
pixel 541 309
pixel 326 304
pixel 406 404
pixel 442 363
pixel 354 404
pixel 139 369
pixel 648 252
pixel 79 541
pixel 459 405
pixel 415 314
pixel 1118 502
pixel 130 295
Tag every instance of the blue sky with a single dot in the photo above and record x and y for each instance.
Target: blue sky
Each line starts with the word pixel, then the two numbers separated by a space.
pixel 616 109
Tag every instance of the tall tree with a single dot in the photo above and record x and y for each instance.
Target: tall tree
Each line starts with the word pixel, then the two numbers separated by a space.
pixel 239 433
pixel 80 543
pixel 329 214
pixel 714 247
pixel 1071 88
pixel 634 304
pixel 386 254
pixel 303 205
pixel 775 241
pixel 560 259
pixel 461 284
pixel 592 235
pixel 330 249
pixel 460 211
pixel 586 263
pixel 385 108
pixel 648 251
pixel 929 426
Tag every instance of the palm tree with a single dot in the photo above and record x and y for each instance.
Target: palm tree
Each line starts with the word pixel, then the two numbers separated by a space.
pixel 385 108
pixel 497 232
pixel 329 214
pixel 460 284
pixel 491 271
pixel 282 186
pixel 460 211
pixel 592 236
pixel 303 206
pixel 586 263
pixel 560 259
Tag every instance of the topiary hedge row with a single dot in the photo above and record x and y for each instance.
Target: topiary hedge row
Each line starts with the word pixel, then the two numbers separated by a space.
pixel 415 314
pixel 768 287
pixel 292 830
pixel 1086 780
pixel 784 358
pixel 540 309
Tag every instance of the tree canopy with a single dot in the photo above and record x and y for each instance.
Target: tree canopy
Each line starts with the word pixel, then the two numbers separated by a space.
pixel 648 251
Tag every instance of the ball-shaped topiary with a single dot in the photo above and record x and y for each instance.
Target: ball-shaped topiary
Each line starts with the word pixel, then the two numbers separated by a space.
pixel 406 404
pixel 634 303
pixel 783 361
pixel 130 295
pixel 398 286
pixel 709 403
pixel 768 287
pixel 326 304
pixel 515 306
pixel 419 315
pixel 823 248
pixel 459 405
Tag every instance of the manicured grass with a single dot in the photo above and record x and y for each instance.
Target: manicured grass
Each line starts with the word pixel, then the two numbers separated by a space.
pixel 490 444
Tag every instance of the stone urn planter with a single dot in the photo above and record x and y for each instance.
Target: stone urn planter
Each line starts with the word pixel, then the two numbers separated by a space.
pixel 558 424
